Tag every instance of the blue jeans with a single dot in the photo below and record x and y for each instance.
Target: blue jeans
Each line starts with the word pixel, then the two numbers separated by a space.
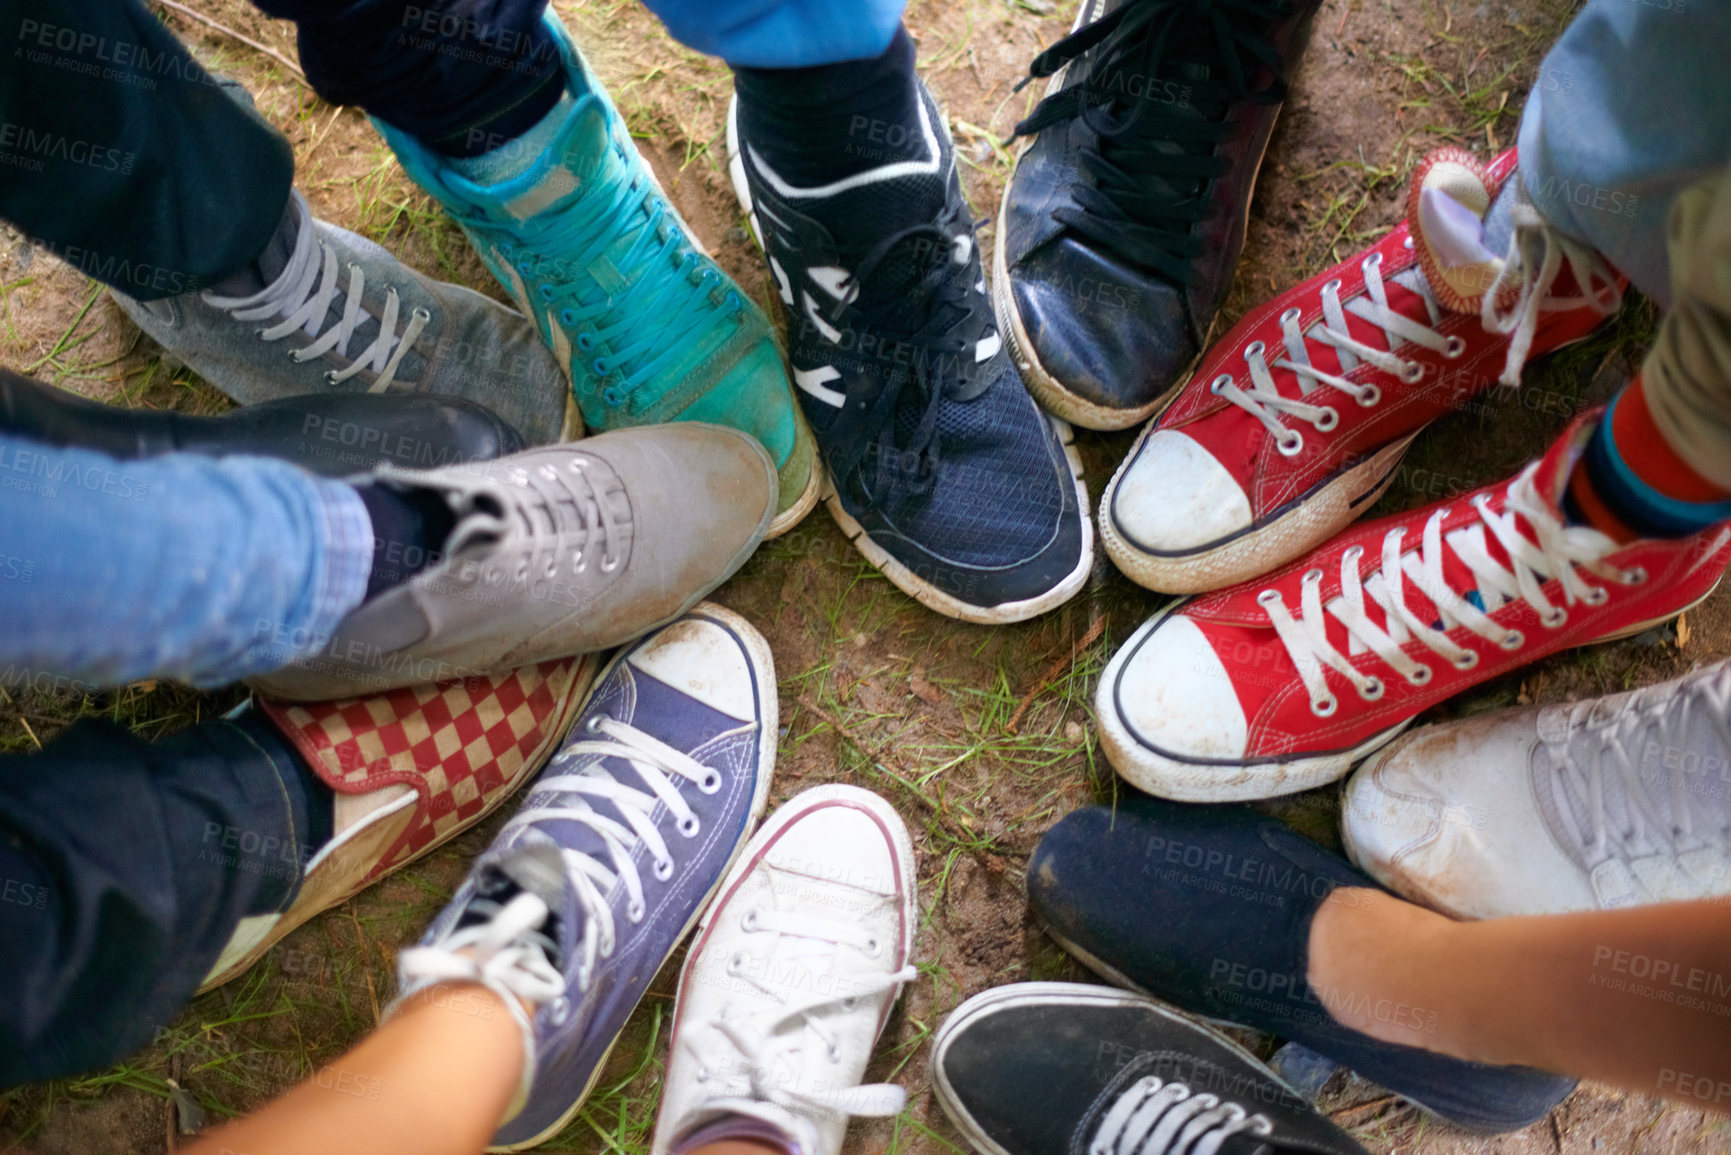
pixel 1631 108
pixel 181 567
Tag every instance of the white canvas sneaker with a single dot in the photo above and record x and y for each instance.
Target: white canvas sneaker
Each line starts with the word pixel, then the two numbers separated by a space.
pixel 1616 801
pixel 792 976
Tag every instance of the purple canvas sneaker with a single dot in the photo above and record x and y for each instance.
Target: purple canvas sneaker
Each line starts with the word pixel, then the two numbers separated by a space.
pixel 615 853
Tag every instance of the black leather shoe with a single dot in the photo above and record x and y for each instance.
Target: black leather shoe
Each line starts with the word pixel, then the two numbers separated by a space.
pixel 1123 221
pixel 334 434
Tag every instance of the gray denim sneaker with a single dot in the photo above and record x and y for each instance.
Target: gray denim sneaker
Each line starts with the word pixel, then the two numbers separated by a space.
pixel 616 851
pixel 556 551
pixel 345 314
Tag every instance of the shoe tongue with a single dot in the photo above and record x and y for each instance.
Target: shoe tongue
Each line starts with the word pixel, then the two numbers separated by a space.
pixel 581 154
pixel 537 869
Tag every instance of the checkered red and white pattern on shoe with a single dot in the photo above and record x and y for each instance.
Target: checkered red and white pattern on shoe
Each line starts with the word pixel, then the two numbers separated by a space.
pixel 1294 422
pixel 462 746
pixel 1281 683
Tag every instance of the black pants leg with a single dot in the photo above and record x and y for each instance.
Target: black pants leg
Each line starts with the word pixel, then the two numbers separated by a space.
pixel 462 75
pixel 123 156
pixel 125 867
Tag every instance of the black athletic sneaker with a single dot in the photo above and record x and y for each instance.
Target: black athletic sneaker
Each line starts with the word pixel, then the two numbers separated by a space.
pixel 1209 908
pixel 1069 1069
pixel 942 471
pixel 1123 221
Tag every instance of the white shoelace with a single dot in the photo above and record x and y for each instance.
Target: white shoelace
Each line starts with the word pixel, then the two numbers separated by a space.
pixel 1535 243
pixel 769 1042
pixel 1679 849
pixel 304 308
pixel 1561 552
pixel 1263 399
pixel 531 498
pixel 563 797
pixel 1152 1117
pixel 1532 238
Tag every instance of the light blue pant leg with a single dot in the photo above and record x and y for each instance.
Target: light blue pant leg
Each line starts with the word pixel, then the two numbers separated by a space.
pixel 1632 106
pixel 782 33
pixel 181 567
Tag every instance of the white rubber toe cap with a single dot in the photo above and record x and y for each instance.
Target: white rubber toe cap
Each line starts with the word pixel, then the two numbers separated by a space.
pixel 1175 497
pixel 1173 693
pixel 1447 818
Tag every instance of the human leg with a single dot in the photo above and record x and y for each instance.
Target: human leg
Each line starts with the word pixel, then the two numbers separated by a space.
pixel 167 566
pixel 1622 996
pixel 128 866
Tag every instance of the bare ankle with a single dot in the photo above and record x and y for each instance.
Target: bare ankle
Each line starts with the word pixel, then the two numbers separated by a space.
pixel 1367 959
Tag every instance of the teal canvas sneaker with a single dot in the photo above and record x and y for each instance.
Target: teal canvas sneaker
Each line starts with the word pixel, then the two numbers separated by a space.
pixel 649 328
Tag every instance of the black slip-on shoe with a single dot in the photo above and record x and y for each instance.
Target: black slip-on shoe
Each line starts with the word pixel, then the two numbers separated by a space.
pixel 1209 908
pixel 333 434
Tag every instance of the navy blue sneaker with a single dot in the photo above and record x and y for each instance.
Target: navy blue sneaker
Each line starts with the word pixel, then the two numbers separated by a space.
pixel 618 847
pixel 1071 1069
pixel 942 470
pixel 1209 908
pixel 1124 219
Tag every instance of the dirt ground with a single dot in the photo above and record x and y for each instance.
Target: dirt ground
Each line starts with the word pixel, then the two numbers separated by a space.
pixel 981 737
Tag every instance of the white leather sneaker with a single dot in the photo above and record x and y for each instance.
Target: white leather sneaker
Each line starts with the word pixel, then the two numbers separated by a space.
pixel 791 977
pixel 1616 801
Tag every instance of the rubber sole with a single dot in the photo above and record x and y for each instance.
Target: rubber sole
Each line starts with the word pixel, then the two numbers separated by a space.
pixel 899 575
pixel 763 664
pixel 807 500
pixel 1310 523
pixel 1181 781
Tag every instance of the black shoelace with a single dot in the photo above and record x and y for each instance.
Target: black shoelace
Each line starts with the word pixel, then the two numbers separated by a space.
pixel 1156 96
pixel 921 313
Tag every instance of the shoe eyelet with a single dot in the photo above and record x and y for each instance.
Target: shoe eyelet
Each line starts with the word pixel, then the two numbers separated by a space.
pixel 523 570
pixel 748 922
pixel 1333 285
pixel 1325 707
pixel 689 826
pixel 1267 597
pixel 593 725
pixel 736 964
pixel 546 292
pixel 504 248
pixel 613 396
pixel 1254 349
pixel 1369 396
pixel 711 782
pixel 1314 574
pixel 1219 383
pixel 1513 640
pixel 577 563
pixel 663 870
pixel 330 377
pixel 551 568
pixel 1329 419
pixel 1597 596
pixel 559 1010
pixel 834 1053
pixel 1289 443
pixel 1419 677
pixel 1353 553
pixel 1555 618
pixel 584 341
pixel 733 301
pixel 1455 347
pixel 1373 261
pixel 1412 372
pixel 1407 244
pixel 874 947
pixel 1466 661
pixel 635 911
pixel 610 564
pixel 1635 576
pixel 599 367
pixel 1372 690
pixel 523 266
pixel 1291 314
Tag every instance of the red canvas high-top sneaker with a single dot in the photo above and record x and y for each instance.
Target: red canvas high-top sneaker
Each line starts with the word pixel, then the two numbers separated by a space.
pixel 1281 683
pixel 1294 423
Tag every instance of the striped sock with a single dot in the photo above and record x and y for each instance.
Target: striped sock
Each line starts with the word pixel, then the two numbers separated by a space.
pixel 1630 483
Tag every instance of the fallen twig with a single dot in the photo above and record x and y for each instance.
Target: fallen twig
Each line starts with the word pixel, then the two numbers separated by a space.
pixel 1095 629
pixel 246 40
